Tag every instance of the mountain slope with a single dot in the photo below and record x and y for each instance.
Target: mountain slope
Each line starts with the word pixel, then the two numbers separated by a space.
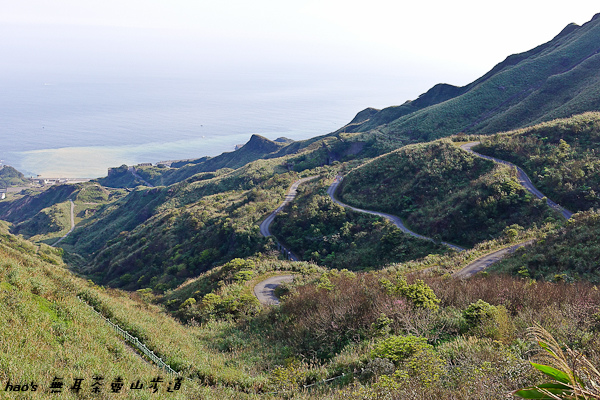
pixel 556 79
pixel 11 177
pixel 443 191
pixel 256 148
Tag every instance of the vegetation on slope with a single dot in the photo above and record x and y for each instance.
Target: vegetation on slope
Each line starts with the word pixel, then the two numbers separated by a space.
pixel 27 207
pixel 120 177
pixel 46 216
pixel 158 237
pixel 316 229
pixel 561 158
pixel 556 79
pixel 444 192
pixel 568 253
pixel 258 147
pixel 11 177
pixel 47 332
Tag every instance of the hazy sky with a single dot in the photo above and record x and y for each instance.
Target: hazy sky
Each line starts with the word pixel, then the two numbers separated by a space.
pixel 431 41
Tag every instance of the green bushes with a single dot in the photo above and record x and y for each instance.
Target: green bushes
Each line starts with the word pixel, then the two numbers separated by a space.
pixel 569 253
pixel 559 156
pixel 443 192
pixel 317 229
pixel 418 293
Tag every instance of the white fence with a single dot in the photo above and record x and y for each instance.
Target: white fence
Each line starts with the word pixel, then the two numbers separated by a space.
pixel 134 341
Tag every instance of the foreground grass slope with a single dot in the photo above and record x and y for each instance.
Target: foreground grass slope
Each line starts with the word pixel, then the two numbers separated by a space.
pixel 389 334
pixel 47 332
pixel 443 192
pixel 560 156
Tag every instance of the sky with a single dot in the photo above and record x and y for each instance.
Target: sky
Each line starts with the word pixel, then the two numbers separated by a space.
pixel 428 41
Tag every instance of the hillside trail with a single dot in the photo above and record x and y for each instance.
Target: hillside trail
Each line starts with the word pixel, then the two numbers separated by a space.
pixel 522 177
pixel 471 269
pixel 265 290
pixel 289 197
pixel 392 218
pixel 72 224
pixel 485 261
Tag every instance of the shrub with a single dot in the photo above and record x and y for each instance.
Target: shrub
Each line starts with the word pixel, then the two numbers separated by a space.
pixel 399 348
pixel 418 293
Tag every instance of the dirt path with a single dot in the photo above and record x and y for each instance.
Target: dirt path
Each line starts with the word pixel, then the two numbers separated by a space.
pixel 392 218
pixel 72 224
pixel 265 290
pixel 523 179
pixel 483 262
pixel 135 174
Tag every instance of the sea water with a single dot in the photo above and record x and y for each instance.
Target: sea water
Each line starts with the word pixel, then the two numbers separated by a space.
pixel 78 127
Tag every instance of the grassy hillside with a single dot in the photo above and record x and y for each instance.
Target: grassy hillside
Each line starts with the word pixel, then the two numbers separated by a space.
pixel 120 177
pixel 569 253
pixel 46 216
pixel 47 332
pixel 27 207
pixel 556 79
pixel 158 237
pixel 560 156
pixel 258 147
pixel 442 191
pixel 11 177
pixel 316 229
pixel 389 335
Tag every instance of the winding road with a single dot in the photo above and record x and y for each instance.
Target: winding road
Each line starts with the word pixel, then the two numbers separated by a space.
pixel 289 197
pixel 483 262
pixel 523 179
pixel 265 290
pixel 72 224
pixel 392 218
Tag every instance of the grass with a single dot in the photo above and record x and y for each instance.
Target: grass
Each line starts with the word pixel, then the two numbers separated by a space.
pixel 559 156
pixel 318 230
pixel 443 192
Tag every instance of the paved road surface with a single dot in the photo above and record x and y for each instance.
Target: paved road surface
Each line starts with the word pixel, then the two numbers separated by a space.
pixel 392 218
pixel 523 179
pixel 72 224
pixel 482 263
pixel 289 197
pixel 265 290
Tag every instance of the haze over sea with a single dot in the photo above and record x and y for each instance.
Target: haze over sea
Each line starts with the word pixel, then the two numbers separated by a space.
pixel 68 126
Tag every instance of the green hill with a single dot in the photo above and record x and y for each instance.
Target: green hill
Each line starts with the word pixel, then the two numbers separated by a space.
pixel 318 230
pixel 258 147
pixel 560 157
pixel 11 177
pixel 28 206
pixel 556 79
pixel 569 253
pixel 442 191
pixel 158 237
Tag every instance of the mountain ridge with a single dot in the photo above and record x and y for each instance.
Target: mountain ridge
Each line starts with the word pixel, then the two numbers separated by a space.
pixel 566 51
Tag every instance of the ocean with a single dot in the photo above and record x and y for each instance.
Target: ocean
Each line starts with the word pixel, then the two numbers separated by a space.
pixel 76 127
